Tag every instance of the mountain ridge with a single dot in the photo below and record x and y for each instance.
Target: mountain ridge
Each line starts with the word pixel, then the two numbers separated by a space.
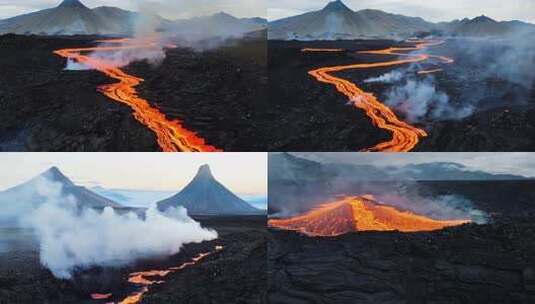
pixel 72 17
pixel 337 21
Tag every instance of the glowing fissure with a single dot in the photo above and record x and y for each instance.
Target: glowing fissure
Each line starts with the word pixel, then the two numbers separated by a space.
pixel 171 135
pixel 404 136
pixel 145 279
pixel 360 213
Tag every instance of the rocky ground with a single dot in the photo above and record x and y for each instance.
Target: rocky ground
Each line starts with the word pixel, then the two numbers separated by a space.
pixel 45 108
pixel 221 93
pixel 491 263
pixel 237 274
pixel 315 117
pixel 217 92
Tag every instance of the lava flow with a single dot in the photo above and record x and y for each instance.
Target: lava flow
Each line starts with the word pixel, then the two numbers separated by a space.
pixel 171 135
pixel 145 279
pixel 359 213
pixel 404 136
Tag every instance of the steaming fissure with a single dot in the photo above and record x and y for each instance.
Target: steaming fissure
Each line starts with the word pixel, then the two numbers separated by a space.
pixel 360 213
pixel 171 135
pixel 145 279
pixel 404 136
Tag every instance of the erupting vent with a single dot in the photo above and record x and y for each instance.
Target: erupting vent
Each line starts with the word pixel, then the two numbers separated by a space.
pixel 359 213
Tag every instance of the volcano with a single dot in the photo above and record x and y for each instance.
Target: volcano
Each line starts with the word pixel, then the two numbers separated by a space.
pixel 359 213
pixel 28 194
pixel 204 195
pixel 337 21
pixel 71 17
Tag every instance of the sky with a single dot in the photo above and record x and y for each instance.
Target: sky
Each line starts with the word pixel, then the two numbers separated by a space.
pixel 172 9
pixel 431 10
pixel 242 173
pixel 511 163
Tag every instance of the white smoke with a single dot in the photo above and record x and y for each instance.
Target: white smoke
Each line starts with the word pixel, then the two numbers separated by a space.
pixel 445 207
pixel 419 99
pixel 75 239
pixel 72 65
pixel 390 77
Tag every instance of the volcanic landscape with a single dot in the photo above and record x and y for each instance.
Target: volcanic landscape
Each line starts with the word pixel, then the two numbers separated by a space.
pixel 329 244
pixel 195 100
pixel 368 80
pixel 221 254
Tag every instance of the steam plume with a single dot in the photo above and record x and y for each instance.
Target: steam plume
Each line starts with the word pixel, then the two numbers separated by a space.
pixel 72 239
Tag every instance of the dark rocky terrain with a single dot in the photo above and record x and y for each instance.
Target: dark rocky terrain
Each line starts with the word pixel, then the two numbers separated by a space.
pixel 237 274
pixel 217 92
pixel 220 93
pixel 315 117
pixel 491 263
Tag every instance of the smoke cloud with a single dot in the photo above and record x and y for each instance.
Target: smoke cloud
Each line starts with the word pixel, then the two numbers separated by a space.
pixel 390 77
pixel 152 34
pixel 73 239
pixel 72 65
pixel 420 99
pixel 296 188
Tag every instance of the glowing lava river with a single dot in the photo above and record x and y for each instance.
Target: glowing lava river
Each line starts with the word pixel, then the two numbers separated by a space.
pixel 171 135
pixel 404 136
pixel 359 213
pixel 144 279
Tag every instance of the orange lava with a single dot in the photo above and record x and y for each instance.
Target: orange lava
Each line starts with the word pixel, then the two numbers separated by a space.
pixel 321 50
pixel 423 72
pixel 100 296
pixel 151 277
pixel 404 136
pixel 359 213
pixel 171 135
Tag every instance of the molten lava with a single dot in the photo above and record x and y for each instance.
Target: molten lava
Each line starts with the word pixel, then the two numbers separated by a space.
pixel 145 279
pixel 360 213
pixel 171 135
pixel 100 296
pixel 321 50
pixel 404 136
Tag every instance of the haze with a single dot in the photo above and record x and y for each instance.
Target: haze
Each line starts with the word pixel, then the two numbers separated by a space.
pixel 243 173
pixel 431 10
pixel 506 163
pixel 171 9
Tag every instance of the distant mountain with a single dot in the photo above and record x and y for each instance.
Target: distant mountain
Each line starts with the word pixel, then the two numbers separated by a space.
pixel 27 196
pixel 217 25
pixel 337 21
pixel 133 198
pixel 484 26
pixel 84 197
pixel 286 166
pixel 204 195
pixel 71 17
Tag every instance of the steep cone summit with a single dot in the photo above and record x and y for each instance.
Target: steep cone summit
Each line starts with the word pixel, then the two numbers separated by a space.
pixel 204 195
pixel 54 174
pixel 337 6
pixel 72 3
